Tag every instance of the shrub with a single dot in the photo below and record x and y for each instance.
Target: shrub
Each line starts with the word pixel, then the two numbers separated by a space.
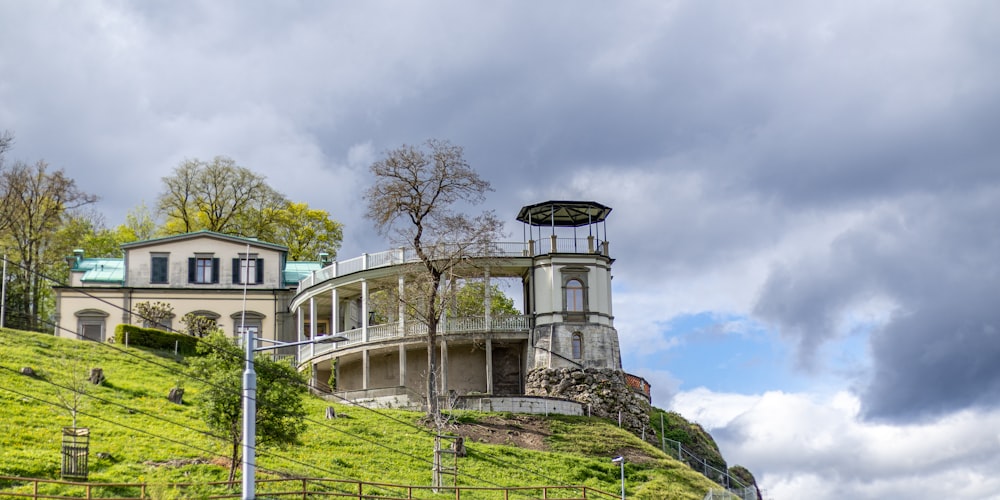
pixel 156 339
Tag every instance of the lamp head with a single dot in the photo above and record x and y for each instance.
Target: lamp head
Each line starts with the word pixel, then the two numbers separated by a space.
pixel 325 339
pixel 618 460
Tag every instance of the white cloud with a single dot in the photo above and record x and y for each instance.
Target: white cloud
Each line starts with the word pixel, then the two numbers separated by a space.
pixel 815 446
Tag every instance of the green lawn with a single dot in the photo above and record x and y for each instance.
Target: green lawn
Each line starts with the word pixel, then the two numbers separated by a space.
pixel 142 437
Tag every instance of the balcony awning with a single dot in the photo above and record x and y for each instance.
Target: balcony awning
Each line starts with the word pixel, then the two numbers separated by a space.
pixel 563 213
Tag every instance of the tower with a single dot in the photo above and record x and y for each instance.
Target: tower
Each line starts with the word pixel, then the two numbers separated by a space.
pixel 568 288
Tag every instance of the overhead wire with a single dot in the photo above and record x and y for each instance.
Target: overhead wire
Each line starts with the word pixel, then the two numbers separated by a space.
pixel 258 451
pixel 296 381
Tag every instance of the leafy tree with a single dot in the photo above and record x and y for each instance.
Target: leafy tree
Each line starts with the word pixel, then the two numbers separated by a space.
pixel 37 203
pixel 140 224
pixel 198 326
pixel 280 390
pixel 412 199
pixel 85 230
pixel 305 231
pixel 471 300
pixel 154 314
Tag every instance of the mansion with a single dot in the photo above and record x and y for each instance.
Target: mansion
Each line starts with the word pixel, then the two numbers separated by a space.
pixel 559 275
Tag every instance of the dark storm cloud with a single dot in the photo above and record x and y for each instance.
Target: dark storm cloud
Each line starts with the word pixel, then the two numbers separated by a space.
pixel 715 129
pixel 934 260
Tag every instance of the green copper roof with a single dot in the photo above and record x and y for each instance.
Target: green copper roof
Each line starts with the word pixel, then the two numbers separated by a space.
pixel 295 271
pixel 102 270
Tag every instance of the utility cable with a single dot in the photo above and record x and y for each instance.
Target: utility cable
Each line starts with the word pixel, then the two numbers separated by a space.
pixel 116 306
pixel 175 441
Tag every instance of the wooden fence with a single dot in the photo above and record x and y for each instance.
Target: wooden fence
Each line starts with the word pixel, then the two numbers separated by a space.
pixel 299 488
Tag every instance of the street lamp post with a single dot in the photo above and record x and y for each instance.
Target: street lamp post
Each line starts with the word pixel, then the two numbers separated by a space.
pixel 620 460
pixel 250 404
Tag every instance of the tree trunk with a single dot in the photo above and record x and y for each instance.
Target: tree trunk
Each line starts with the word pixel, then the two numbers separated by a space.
pixel 233 461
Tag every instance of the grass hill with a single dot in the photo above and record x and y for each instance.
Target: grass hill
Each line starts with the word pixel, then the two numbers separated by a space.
pixel 137 435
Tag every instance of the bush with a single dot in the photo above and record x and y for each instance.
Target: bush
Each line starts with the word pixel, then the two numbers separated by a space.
pixel 156 339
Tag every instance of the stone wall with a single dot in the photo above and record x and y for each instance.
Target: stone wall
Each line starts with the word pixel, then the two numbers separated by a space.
pixel 604 389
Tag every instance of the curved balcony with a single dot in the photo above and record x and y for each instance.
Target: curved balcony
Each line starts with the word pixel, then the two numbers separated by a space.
pixel 404 256
pixel 412 329
pixel 501 250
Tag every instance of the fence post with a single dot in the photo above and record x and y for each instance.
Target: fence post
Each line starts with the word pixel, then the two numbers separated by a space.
pixel 304 488
pixel 663 436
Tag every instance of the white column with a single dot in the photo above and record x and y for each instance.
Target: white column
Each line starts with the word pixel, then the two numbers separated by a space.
pixel 402 365
pixel 444 368
pixel 334 311
pixel 312 317
pixel 300 323
pixel 312 325
pixel 489 365
pixel 402 306
pixel 365 367
pixel 488 299
pixel 364 310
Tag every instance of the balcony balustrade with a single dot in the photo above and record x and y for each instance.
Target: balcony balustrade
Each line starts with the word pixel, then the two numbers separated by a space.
pixel 396 330
pixel 492 250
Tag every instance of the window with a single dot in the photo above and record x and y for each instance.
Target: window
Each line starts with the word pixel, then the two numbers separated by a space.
pixel 92 329
pixel 577 345
pixel 248 269
pixel 159 269
pixel 574 295
pixel 202 269
pixel 252 321
pixel 576 301
pixel 90 324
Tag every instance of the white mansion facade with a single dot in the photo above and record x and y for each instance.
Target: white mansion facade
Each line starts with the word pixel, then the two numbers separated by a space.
pixel 562 272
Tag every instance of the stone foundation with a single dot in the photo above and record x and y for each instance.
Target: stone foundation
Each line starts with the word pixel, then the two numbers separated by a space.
pixel 603 389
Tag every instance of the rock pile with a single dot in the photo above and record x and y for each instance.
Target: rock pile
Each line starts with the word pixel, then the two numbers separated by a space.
pixel 603 389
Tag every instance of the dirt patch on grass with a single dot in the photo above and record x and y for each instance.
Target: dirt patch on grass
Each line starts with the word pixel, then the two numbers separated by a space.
pixel 523 431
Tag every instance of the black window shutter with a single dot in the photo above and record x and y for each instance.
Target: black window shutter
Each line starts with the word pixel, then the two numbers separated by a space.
pixel 215 270
pixel 260 271
pixel 236 271
pixel 191 269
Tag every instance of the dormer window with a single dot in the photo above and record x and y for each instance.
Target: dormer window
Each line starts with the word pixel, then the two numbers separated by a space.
pixel 203 269
pixel 248 269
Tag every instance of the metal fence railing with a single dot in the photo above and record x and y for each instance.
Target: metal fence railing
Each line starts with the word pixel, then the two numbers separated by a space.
pixel 732 485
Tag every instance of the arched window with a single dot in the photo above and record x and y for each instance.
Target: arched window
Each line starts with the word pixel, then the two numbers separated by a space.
pixel 577 345
pixel 574 295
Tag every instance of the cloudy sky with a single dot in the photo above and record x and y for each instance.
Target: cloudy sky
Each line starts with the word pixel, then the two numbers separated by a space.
pixel 806 194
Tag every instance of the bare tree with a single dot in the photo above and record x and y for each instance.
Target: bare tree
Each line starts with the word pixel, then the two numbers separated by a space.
pixel 413 201
pixel 219 196
pixel 73 385
pixel 6 142
pixel 36 202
